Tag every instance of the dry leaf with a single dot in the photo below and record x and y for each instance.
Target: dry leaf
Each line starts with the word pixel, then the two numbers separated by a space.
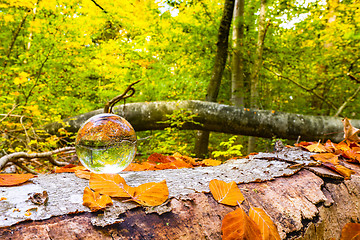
pixel 151 194
pixel 350 132
pixel 343 171
pixel 186 159
pixel 112 185
pixel 84 174
pixel 238 225
pixel 316 147
pixel 267 227
pixel 94 200
pixel 69 168
pixel 351 231
pixel 226 193
pixel 211 162
pixel 39 198
pixel 326 157
pixel 8 180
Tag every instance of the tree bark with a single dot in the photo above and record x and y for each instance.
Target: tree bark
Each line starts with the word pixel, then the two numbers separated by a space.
pixel 202 138
pixel 237 68
pixel 222 118
pixel 302 204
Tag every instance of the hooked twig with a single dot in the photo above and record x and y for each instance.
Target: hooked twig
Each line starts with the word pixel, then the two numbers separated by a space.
pixel 110 104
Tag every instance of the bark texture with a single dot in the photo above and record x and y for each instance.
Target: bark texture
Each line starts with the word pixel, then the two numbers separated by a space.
pixel 223 118
pixel 302 205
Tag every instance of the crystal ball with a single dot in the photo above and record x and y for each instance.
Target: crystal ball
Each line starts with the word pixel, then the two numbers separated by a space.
pixel 106 143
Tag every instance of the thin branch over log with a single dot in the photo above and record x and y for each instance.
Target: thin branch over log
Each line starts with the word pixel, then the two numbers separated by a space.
pixel 341 108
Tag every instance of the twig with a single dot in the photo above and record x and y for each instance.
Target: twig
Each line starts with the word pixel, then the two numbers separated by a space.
pixel 20 165
pixel 305 88
pixel 14 156
pixel 341 108
pixel 110 104
pixel 9 113
pixel 99 6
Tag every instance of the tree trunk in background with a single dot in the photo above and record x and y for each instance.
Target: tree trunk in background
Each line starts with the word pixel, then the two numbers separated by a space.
pixel 202 138
pixel 254 78
pixel 237 68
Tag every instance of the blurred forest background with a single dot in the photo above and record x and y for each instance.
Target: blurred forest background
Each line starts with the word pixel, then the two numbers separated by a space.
pixel 63 58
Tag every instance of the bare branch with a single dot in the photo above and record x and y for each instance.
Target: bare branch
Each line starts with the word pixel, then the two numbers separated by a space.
pixel 341 108
pixel 14 156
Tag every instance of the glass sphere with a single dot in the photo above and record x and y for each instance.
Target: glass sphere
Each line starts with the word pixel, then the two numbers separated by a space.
pixel 106 143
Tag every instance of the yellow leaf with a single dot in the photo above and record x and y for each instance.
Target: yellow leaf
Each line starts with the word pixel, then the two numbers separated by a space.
pixel 226 193
pixel 151 194
pixel 267 227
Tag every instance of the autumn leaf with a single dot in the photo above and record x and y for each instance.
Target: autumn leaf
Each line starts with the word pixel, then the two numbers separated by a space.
pixel 151 194
pixel 112 185
pixel 316 147
pixel 226 193
pixel 238 225
pixel 186 159
pixel 95 201
pixel 350 132
pixel 326 157
pixel 267 227
pixel 8 180
pixel 211 162
pixel 351 231
pixel 84 174
pixel 343 171
pixel 69 168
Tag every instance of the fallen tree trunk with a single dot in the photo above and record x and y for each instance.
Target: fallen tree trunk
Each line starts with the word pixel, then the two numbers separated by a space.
pixel 302 205
pixel 222 118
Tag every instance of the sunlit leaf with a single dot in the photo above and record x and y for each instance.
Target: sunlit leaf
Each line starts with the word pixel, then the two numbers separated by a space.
pixel 95 201
pixel 267 227
pixel 350 132
pixel 351 231
pixel 112 185
pixel 151 194
pixel 326 157
pixel 83 174
pixel 238 225
pixel 211 162
pixel 7 180
pixel 226 193
pixel 316 147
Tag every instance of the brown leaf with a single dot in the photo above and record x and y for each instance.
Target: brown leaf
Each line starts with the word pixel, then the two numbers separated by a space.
pixel 151 194
pixel 112 185
pixel 95 201
pixel 39 198
pixel 238 225
pixel 186 159
pixel 226 193
pixel 69 168
pixel 343 171
pixel 8 180
pixel 351 231
pixel 350 132
pixel 267 227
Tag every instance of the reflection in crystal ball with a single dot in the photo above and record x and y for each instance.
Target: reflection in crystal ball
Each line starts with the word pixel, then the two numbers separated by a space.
pixel 106 143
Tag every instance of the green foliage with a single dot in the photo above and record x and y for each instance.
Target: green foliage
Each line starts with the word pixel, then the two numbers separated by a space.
pixel 230 149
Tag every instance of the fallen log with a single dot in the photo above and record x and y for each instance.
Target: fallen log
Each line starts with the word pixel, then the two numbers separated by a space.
pixel 303 204
pixel 221 118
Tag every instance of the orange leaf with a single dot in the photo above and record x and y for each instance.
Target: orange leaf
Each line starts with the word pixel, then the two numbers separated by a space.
pixel 110 184
pixel 326 157
pixel 351 231
pixel 135 167
pixel 159 158
pixel 94 201
pixel 342 146
pixel 344 171
pixel 238 225
pixel 186 159
pixel 7 180
pixel 82 174
pixel 350 132
pixel 316 147
pixel 69 168
pixel 267 227
pixel 211 162
pixel 226 193
pixel 151 194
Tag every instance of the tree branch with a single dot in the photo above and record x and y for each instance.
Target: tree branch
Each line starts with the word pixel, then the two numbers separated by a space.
pixel 13 157
pixel 99 6
pixel 341 108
